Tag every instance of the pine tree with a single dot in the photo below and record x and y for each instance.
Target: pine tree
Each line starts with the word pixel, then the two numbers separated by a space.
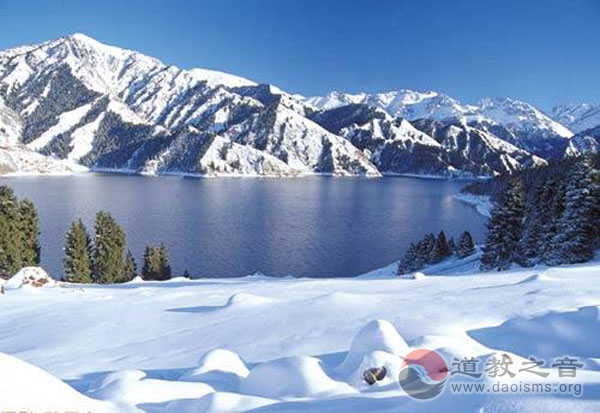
pixel 130 270
pixel 553 206
pixel 466 246
pixel 11 235
pixel 505 227
pixel 186 274
pixel 440 249
pixel 156 263
pixel 409 260
pixel 575 241
pixel 109 248
pixel 151 267
pixel 28 224
pixel 165 266
pixel 78 254
pixel 532 226
pixel 426 248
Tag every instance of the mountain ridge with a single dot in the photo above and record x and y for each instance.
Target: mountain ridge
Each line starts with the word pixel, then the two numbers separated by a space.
pixel 78 101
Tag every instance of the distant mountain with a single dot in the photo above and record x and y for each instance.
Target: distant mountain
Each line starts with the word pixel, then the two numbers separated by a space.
pixel 446 147
pixel 584 143
pixel 74 102
pixel 523 125
pixel 578 117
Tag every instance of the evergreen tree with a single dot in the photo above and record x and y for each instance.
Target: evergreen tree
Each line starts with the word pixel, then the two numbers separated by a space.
pixel 440 249
pixel 78 254
pixel 28 224
pixel 409 260
pixel 186 274
pixel 552 203
pixel 156 263
pixel 130 270
pixel 165 266
pixel 109 248
pixel 151 267
pixel 11 236
pixel 505 227
pixel 466 246
pixel 426 248
pixel 578 227
pixel 532 226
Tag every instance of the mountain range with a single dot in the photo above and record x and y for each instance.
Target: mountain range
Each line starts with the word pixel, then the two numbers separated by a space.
pixel 74 103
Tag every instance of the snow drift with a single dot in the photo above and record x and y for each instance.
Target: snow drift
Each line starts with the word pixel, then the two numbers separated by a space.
pixel 24 387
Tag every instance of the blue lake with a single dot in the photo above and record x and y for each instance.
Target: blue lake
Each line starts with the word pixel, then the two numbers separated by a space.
pixel 317 226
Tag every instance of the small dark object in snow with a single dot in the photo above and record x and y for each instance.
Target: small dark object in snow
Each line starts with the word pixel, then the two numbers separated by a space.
pixel 374 374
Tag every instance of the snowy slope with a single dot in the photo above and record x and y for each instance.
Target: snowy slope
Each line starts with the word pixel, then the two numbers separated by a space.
pixel 10 126
pixel 298 344
pixel 577 117
pixel 16 158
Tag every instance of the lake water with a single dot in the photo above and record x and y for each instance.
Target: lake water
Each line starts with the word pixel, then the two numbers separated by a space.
pixel 317 226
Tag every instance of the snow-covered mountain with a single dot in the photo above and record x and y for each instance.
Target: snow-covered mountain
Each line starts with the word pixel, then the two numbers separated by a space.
pixel 75 101
pixel 404 103
pixel 111 108
pixel 524 125
pixel 586 142
pixel 578 117
pixel 446 147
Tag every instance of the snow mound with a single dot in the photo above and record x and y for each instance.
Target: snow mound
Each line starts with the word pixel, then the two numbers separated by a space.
pixel 24 387
pixel 418 275
pixel 292 377
pixel 222 360
pixel 132 387
pixel 247 299
pixel 391 362
pixel 218 402
pixel 30 277
pixel 377 336
pixel 222 369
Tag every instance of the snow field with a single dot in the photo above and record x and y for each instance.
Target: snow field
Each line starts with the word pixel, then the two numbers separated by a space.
pixel 279 345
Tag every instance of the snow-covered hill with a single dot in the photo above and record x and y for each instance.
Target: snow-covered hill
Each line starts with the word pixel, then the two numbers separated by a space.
pixel 289 345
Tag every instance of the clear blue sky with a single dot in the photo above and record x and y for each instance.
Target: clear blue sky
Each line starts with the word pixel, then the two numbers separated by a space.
pixel 542 51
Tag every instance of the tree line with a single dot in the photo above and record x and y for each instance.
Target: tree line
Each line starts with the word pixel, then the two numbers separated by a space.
pixel 552 217
pixel 104 260
pixel 432 250
pixel 547 215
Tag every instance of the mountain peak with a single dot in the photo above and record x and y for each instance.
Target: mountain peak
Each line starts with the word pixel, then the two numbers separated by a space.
pixel 82 37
